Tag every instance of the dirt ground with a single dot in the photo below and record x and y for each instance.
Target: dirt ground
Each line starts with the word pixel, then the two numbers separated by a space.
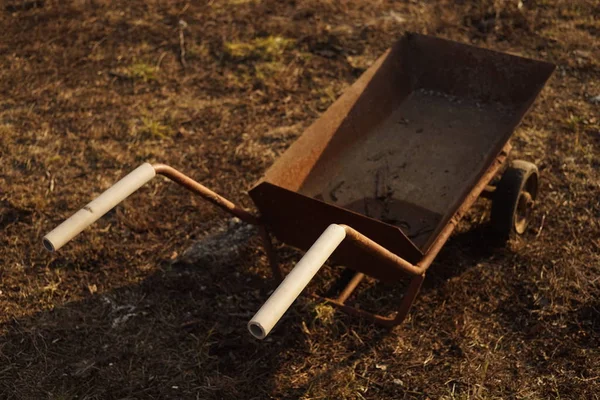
pixel 89 89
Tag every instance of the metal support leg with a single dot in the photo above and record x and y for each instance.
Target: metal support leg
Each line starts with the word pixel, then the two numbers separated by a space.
pixel 271 256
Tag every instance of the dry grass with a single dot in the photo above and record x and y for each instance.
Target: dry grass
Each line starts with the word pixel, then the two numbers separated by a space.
pixel 90 89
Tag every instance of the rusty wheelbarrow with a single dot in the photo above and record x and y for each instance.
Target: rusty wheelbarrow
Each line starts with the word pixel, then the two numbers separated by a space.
pixel 379 182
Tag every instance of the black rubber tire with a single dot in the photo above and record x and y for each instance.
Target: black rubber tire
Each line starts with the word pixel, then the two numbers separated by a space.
pixel 514 198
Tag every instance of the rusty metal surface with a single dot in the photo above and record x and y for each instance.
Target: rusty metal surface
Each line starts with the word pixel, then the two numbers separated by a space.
pixel 490 77
pixel 205 193
pixel 372 247
pixel 377 92
pixel 298 221
pixel 384 257
pixel 271 256
pixel 387 321
pixel 467 71
pixel 400 158
pixel 403 146
pixel 395 264
pixel 227 206
pixel 352 285
pixel 422 266
pixel 470 198
pixel 413 167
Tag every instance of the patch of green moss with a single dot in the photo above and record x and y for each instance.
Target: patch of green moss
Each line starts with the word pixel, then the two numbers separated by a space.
pixel 264 48
pixel 155 129
pixel 143 71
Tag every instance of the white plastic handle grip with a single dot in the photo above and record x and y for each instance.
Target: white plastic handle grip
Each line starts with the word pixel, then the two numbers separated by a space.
pixel 282 298
pixel 98 207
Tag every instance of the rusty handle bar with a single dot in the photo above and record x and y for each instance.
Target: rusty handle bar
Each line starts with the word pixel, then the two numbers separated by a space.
pixel 205 193
pixel 384 255
pixel 118 192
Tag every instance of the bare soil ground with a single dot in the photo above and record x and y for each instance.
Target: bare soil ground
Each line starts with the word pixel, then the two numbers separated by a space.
pixel 89 89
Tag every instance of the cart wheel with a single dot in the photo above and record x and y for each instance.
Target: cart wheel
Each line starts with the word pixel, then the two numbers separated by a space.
pixel 514 198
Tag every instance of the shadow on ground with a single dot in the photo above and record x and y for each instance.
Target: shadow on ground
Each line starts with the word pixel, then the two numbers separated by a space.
pixel 181 330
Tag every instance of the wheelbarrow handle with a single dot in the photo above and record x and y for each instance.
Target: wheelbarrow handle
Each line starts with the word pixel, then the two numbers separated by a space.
pixel 98 207
pixel 122 189
pixel 282 298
